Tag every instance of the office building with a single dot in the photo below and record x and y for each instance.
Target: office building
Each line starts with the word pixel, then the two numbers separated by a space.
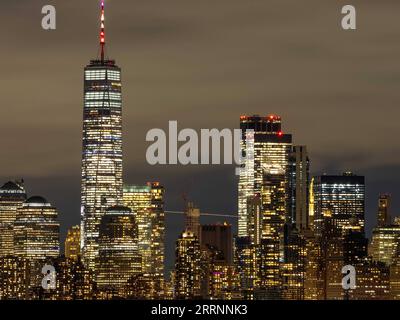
pixel 271 247
pixel 73 280
pixel 344 197
pixel 294 266
pixel 299 182
pixel 247 264
pixel 394 271
pixel 192 220
pixel 383 218
pixel 372 282
pixel 12 196
pixel 118 258
pixel 220 237
pixel 72 245
pixel 37 235
pixel 188 271
pixel 265 149
pixel 14 278
pixel 101 185
pixel 384 243
pixel 147 205
pixel 314 284
pixel 331 257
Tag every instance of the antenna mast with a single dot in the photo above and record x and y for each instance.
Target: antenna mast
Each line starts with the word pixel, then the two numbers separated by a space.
pixel 102 31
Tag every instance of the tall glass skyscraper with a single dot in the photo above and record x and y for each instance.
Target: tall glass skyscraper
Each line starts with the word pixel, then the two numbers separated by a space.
pixel 263 198
pixel 344 197
pixel 118 258
pixel 147 205
pixel 102 147
pixel 12 196
pixel 299 184
pixel 37 235
pixel 271 149
pixel 187 267
pixel 383 218
pixel 385 243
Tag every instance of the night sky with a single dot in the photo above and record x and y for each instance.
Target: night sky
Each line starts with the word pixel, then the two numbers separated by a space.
pixel 202 63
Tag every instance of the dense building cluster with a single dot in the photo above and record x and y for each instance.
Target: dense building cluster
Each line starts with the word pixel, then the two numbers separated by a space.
pixel 295 233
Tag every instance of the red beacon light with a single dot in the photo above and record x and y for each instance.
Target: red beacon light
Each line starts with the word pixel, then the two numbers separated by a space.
pixel 280 134
pixel 273 117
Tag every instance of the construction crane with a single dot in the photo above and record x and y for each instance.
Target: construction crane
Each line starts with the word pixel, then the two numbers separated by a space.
pixel 205 214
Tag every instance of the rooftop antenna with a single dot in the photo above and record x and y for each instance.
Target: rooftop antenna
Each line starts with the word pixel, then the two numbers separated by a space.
pixel 102 32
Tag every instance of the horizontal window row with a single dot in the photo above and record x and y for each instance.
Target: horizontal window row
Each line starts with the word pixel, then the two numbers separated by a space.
pixel 103 95
pixel 102 75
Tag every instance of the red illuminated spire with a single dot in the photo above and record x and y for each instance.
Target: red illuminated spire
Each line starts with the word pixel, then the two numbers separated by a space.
pixel 102 31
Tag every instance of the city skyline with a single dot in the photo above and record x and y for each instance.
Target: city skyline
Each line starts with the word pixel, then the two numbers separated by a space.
pixel 136 42
pixel 197 191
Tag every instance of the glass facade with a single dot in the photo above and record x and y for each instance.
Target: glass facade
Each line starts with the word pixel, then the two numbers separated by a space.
pixel 299 183
pixel 384 243
pixel 344 197
pixel 14 278
pixel 384 218
pixel 37 235
pixel 271 149
pixel 263 202
pixel 102 151
pixel 147 205
pixel 12 196
pixel 72 243
pixel 118 258
pixel 138 199
pixel 187 267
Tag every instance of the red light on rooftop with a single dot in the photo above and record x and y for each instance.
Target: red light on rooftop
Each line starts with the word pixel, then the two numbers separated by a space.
pixel 280 134
pixel 273 117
